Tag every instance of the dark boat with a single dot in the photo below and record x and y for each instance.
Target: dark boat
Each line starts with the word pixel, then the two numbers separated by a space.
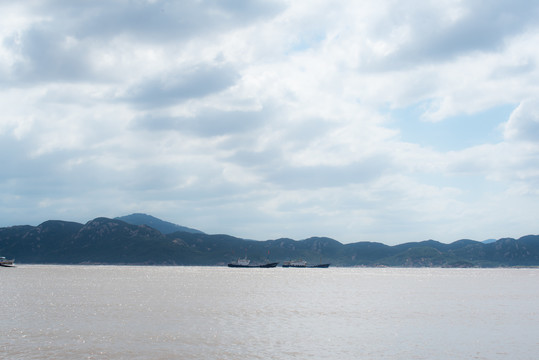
pixel 246 263
pixel 302 264
pixel 324 266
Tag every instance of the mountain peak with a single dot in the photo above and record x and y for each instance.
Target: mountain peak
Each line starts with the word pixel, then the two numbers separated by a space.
pixel 164 227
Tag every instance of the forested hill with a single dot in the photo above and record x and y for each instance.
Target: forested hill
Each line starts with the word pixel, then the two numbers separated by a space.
pixel 113 241
pixel 163 226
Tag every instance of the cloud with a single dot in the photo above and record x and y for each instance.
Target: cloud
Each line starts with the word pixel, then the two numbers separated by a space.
pixel 409 35
pixel 321 176
pixel 207 123
pixel 44 55
pixel 153 20
pixel 523 123
pixel 184 84
pixel 70 41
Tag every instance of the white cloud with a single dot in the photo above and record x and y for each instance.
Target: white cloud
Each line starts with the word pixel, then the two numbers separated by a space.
pixel 524 122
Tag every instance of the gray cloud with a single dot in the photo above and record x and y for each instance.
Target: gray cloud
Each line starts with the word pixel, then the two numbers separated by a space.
pixel 155 20
pixel 173 88
pixel 58 46
pixel 484 27
pixel 321 176
pixel 255 159
pixel 45 55
pixel 38 177
pixel 527 67
pixel 205 124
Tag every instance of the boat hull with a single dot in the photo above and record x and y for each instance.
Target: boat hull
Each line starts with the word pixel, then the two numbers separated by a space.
pixel 307 266
pixel 269 265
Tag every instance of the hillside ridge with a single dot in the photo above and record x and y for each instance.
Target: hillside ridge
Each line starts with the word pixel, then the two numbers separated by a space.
pixel 114 241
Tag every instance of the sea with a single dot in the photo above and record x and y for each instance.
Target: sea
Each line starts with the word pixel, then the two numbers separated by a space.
pixel 168 312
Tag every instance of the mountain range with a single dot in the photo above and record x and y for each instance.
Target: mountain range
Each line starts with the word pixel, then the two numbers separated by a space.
pixel 140 239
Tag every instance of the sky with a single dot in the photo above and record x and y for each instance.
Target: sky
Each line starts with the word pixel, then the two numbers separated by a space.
pixel 387 121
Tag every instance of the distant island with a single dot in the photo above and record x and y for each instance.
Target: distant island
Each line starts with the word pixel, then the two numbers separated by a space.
pixel 141 239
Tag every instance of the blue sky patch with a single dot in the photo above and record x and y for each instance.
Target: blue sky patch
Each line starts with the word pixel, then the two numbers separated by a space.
pixel 454 133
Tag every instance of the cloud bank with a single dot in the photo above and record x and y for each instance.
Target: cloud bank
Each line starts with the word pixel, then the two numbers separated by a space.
pixel 362 121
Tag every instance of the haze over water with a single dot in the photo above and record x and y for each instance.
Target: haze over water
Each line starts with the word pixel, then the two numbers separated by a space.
pixel 124 312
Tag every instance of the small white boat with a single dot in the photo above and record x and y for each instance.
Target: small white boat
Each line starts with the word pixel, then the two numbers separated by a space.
pixel 6 262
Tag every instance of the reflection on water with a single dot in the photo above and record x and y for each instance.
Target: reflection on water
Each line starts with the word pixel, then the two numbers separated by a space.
pixel 125 312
